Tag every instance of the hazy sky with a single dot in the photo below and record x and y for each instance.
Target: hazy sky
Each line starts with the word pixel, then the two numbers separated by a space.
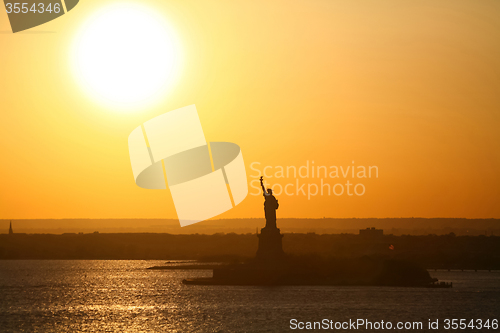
pixel 412 87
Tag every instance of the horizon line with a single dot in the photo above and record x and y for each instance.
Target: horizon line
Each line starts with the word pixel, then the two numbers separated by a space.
pixel 250 218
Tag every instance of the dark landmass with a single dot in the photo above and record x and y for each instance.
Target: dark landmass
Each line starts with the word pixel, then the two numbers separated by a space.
pixel 185 267
pixel 314 270
pixel 395 226
pixel 431 252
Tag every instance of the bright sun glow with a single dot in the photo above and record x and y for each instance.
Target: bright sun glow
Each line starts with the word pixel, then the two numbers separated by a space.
pixel 126 55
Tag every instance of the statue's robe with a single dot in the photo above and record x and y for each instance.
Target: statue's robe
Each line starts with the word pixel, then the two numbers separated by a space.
pixel 270 206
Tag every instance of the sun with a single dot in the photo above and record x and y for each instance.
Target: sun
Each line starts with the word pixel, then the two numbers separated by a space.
pixel 126 55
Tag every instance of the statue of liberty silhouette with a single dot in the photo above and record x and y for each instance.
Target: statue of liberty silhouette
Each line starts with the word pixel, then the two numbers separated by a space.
pixel 270 205
pixel 270 237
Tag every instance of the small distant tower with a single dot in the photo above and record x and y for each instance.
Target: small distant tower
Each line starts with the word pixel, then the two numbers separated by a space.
pixel 10 229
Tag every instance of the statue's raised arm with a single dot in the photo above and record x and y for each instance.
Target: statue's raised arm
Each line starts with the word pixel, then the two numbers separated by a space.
pixel 262 184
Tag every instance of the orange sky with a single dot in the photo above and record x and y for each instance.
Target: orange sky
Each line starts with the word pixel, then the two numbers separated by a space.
pixel 410 87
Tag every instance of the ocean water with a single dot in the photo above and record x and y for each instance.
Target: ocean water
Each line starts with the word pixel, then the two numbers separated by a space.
pixel 122 296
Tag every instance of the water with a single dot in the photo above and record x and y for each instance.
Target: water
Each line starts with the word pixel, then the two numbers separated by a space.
pixel 108 296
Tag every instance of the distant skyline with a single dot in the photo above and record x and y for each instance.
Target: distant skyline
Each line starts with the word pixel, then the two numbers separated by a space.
pixel 403 226
pixel 409 87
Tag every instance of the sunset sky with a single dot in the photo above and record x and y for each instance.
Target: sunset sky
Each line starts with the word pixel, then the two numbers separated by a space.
pixel 410 87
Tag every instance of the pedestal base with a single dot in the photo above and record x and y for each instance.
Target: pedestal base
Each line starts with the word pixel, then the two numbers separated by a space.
pixel 270 244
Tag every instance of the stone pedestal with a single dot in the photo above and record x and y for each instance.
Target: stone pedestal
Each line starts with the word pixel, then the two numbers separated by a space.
pixel 270 244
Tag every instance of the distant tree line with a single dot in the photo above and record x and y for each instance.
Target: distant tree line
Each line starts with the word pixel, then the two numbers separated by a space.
pixel 440 252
